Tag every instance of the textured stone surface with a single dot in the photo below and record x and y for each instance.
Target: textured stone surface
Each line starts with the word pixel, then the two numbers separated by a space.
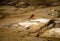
pixel 54 32
pixel 31 2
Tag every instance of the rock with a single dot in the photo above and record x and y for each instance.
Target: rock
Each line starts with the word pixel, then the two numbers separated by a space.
pixel 31 2
pixel 35 25
pixel 57 22
pixel 13 3
pixel 32 26
pixel 27 9
pixel 21 4
pixel 12 26
pixel 34 34
pixel 42 20
pixel 2 16
pixel 53 33
pixel 36 28
pixel 51 25
pixel 8 8
pixel 55 12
